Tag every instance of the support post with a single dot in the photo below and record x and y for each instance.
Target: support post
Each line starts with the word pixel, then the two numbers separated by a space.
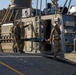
pixel 0 40
pixel 74 46
pixel 40 23
pixel 46 8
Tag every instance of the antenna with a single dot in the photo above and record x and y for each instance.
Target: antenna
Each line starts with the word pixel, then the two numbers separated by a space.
pixel 55 3
pixel 36 7
pixel 46 8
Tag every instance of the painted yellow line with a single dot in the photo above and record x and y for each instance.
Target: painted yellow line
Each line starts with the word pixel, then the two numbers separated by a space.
pixel 11 68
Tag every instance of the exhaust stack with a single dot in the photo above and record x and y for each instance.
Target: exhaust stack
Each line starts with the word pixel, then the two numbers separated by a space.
pixel 22 3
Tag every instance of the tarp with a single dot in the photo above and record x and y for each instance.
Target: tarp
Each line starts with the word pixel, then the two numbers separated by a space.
pixel 73 10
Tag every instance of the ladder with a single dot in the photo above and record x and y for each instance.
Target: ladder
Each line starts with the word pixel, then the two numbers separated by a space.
pixel 10 15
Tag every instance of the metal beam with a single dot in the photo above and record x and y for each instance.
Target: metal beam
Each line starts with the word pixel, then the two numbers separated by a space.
pixel 36 7
pixel 69 4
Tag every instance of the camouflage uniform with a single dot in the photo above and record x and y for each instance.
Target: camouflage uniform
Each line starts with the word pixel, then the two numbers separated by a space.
pixel 55 40
pixel 19 35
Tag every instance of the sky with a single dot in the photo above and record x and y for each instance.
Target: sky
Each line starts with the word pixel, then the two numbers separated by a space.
pixel 5 3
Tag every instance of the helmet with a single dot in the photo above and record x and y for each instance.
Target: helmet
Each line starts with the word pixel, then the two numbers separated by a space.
pixel 20 23
pixel 56 24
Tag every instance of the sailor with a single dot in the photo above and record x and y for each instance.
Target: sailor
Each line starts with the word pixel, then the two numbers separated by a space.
pixel 55 40
pixel 19 35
